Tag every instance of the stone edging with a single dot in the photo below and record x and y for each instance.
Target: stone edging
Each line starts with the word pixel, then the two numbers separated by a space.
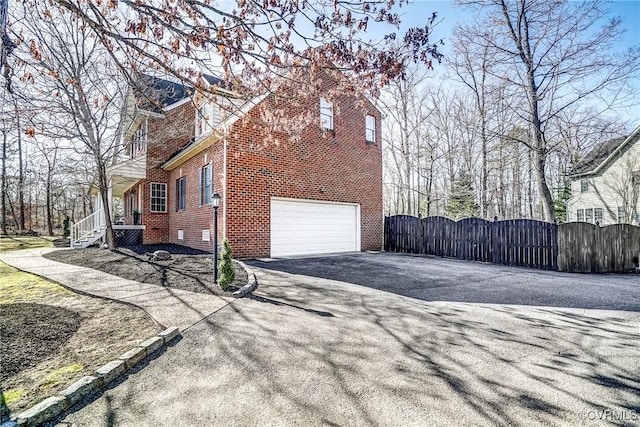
pixel 252 282
pixel 55 405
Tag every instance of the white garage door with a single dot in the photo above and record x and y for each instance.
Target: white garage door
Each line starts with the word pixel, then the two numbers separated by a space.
pixel 304 227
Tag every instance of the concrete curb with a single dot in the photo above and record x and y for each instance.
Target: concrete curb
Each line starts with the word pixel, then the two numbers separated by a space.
pixel 76 392
pixel 252 282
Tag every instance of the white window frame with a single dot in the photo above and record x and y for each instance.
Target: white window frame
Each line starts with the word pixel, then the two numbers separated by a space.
pixel 370 128
pixel 598 215
pixel 584 185
pixel 204 177
pixel 208 117
pixel 588 215
pixel 203 119
pixel 139 139
pixel 326 114
pixel 151 196
pixel 580 215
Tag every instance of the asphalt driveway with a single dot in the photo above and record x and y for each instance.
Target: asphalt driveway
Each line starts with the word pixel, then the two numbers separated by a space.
pixel 306 350
pixel 442 279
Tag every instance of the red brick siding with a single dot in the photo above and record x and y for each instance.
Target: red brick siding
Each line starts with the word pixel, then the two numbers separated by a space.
pixel 339 167
pixel 196 218
pixel 165 137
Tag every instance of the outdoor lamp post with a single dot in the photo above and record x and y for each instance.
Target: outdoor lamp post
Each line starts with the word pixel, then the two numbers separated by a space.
pixel 215 201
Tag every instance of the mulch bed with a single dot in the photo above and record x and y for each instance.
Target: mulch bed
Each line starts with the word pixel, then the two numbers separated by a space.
pixel 51 337
pixel 188 269
pixel 31 332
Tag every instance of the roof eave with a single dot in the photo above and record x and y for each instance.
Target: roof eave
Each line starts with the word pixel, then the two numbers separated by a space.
pixel 614 153
pixel 192 150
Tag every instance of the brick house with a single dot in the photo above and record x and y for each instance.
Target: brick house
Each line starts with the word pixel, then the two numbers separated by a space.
pixel 319 192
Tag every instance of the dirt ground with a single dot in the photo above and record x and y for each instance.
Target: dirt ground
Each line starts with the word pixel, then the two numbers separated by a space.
pixel 188 269
pixel 51 337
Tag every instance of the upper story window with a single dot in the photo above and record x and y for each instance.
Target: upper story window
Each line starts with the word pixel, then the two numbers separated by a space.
pixel 635 179
pixel 138 143
pixel 326 114
pixel 158 197
pixel 370 125
pixel 206 184
pixel 203 116
pixel 208 117
pixel 584 185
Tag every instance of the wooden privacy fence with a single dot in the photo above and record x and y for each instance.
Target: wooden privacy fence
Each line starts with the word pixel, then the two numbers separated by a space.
pixel 587 248
pixel 522 242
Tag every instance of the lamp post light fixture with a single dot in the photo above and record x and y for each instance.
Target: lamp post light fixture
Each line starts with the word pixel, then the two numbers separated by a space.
pixel 215 202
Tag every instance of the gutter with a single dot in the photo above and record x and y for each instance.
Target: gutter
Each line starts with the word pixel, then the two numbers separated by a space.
pixel 609 157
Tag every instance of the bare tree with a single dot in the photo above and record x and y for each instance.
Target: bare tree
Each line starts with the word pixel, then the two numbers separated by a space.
pixel 251 44
pixel 48 150
pixel 556 54
pixel 71 84
pixel 471 65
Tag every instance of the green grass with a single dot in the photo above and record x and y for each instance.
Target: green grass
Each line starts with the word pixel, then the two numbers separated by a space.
pixel 19 287
pixel 61 375
pixel 13 395
pixel 13 243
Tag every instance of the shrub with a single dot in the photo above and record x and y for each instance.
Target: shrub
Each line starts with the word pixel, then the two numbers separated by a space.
pixel 65 227
pixel 226 274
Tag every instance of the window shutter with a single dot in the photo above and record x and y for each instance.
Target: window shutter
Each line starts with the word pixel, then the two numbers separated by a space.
pixel 183 193
pixel 177 195
pixel 199 186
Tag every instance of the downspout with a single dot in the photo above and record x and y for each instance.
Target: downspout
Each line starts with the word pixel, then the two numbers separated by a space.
pixel 224 187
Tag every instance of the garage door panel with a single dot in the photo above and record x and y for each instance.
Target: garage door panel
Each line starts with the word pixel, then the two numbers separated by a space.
pixel 306 227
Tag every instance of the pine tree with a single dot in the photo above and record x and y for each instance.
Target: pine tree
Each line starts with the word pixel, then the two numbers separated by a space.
pixel 65 227
pixel 462 201
pixel 560 202
pixel 225 268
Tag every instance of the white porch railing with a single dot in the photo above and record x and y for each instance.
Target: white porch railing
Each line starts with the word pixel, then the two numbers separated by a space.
pixel 87 228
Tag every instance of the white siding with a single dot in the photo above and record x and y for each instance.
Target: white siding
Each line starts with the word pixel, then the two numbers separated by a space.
pixel 609 189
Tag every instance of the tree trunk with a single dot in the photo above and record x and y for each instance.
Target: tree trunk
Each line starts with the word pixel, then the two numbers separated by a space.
pixel 20 173
pixel 3 207
pixel 48 205
pixel 543 188
pixel 103 185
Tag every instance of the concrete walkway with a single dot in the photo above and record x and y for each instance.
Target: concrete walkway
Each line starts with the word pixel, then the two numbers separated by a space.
pixel 167 306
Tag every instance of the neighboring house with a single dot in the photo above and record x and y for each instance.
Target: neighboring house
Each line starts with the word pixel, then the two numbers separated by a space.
pixel 318 193
pixel 605 185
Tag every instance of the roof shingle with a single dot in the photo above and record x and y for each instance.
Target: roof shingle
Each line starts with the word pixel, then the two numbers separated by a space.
pixel 597 155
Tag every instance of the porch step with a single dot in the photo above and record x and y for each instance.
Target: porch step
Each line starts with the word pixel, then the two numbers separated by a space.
pixel 89 239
